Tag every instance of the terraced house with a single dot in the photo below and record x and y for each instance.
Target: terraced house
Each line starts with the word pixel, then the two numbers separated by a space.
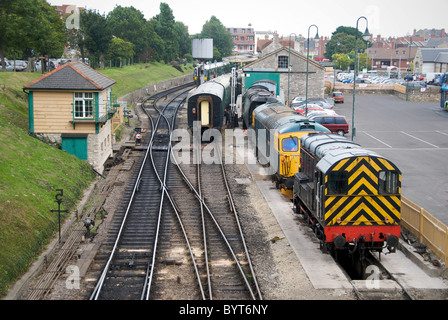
pixel 73 107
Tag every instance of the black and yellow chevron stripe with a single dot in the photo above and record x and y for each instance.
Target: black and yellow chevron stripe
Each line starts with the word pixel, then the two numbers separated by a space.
pixel 363 204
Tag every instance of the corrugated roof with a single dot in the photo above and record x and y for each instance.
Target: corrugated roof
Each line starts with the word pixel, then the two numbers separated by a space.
pixel 72 76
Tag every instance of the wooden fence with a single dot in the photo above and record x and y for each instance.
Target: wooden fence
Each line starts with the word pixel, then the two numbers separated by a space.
pixel 428 229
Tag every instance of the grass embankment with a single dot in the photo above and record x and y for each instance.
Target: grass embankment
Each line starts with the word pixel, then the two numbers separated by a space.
pixel 130 78
pixel 31 171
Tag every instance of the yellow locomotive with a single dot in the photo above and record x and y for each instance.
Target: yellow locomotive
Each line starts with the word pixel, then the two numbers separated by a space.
pixel 278 130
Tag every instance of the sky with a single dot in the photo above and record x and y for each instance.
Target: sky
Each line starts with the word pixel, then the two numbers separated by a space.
pixel 392 18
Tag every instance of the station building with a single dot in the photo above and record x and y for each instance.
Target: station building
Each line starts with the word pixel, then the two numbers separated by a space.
pixel 73 107
pixel 273 66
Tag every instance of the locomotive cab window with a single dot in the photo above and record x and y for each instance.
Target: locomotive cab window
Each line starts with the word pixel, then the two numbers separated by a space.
pixel 290 144
pixel 338 182
pixel 387 182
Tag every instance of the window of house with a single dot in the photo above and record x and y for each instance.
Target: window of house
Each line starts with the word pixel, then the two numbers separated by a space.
pixel 83 104
pixel 283 61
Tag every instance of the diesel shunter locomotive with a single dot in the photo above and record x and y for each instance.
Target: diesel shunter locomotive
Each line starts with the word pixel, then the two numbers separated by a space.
pixel 349 195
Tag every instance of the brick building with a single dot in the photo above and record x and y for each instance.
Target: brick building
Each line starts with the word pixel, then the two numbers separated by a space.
pixel 243 40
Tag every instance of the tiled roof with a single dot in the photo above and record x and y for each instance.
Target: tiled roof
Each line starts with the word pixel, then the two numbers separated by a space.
pixel 430 54
pixel 72 76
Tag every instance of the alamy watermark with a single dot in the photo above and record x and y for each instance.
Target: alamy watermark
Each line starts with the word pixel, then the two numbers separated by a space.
pixel 73 20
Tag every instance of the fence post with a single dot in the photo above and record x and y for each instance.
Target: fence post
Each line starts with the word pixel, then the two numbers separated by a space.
pixel 446 247
pixel 420 227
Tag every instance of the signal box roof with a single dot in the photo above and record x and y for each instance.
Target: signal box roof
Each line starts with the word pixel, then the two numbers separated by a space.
pixel 72 76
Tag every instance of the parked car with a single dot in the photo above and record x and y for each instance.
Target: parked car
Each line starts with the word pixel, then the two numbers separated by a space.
pixel 302 108
pixel 338 96
pixel 323 103
pixel 335 123
pixel 50 66
pixel 20 65
pixel 8 66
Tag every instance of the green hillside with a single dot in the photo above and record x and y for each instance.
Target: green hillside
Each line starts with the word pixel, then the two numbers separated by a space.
pixel 31 171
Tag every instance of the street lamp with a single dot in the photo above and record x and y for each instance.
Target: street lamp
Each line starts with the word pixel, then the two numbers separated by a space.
pixel 289 60
pixel 365 36
pixel 307 61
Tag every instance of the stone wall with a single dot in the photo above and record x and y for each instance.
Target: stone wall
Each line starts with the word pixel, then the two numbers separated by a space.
pixel 297 74
pixel 99 147
pixel 428 94
pixel 133 97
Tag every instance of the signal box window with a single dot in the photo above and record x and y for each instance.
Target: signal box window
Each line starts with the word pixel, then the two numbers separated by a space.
pixel 338 182
pixel 290 144
pixel 83 104
pixel 388 182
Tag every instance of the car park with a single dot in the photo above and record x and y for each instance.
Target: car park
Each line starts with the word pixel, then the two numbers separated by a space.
pixel 335 123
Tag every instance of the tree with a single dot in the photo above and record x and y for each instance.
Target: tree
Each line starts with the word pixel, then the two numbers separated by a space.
pixel 156 46
pixel 166 29
pixel 129 24
pixel 343 41
pixel 30 25
pixel 341 60
pixel 362 61
pixel 184 39
pixel 222 39
pixel 10 30
pixel 48 34
pixel 96 35
pixel 119 49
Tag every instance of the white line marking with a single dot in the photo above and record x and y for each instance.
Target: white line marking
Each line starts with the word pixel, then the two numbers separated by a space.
pixel 419 139
pixel 377 139
pixel 444 133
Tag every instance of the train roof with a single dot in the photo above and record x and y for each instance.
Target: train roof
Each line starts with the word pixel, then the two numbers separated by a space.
pixel 257 92
pixel 214 87
pixel 277 116
pixel 332 148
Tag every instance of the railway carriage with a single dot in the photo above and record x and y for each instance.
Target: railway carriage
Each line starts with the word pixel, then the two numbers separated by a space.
pixel 349 195
pixel 277 136
pixel 207 103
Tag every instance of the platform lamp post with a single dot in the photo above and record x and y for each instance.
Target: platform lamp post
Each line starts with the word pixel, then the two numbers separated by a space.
pixel 365 36
pixel 289 61
pixel 307 62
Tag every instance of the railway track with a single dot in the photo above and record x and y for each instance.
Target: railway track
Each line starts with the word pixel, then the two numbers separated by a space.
pixel 129 268
pixel 228 272
pixel 171 242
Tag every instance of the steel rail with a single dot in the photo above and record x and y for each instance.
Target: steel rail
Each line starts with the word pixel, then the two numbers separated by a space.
pixel 235 212
pixel 147 289
pixel 198 170
pixel 97 290
pixel 198 196
pixel 99 285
